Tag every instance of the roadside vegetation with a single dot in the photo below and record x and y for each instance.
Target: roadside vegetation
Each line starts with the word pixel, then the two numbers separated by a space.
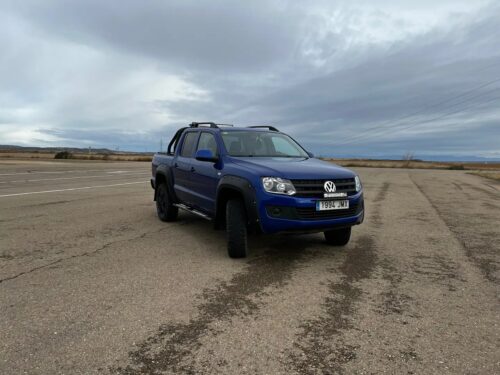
pixel 110 157
pixel 63 155
pixel 415 164
pixel 488 174
pixel 407 161
pixel 66 155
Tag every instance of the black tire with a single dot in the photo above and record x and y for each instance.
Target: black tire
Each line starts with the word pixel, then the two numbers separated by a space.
pixel 236 228
pixel 338 237
pixel 164 208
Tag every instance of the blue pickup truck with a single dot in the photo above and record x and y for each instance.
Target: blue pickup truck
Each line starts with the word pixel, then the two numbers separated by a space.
pixel 254 179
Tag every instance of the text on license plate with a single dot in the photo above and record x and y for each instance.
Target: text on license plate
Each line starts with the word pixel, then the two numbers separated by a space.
pixel 332 205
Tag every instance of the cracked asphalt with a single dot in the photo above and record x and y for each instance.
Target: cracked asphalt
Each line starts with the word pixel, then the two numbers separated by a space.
pixel 91 282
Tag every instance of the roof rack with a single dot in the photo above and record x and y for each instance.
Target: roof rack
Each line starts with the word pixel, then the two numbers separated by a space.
pixel 211 124
pixel 272 128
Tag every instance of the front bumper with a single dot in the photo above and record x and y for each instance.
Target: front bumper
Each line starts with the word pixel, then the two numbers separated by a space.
pixel 298 214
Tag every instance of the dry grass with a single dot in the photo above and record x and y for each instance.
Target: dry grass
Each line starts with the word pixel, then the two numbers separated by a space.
pixel 75 156
pixel 415 164
pixel 26 155
pixel 114 157
pixel 487 174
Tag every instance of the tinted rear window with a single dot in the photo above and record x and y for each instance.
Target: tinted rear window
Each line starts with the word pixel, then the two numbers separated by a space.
pixel 188 145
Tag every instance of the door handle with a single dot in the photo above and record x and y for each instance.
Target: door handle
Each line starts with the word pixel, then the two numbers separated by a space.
pixel 193 169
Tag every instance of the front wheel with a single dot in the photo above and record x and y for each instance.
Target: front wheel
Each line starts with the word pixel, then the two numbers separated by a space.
pixel 165 209
pixel 338 237
pixel 236 227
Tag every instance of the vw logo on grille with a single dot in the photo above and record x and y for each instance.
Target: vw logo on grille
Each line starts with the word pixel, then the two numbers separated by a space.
pixel 330 187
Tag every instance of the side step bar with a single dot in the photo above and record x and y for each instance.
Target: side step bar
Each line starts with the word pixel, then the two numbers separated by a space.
pixel 192 210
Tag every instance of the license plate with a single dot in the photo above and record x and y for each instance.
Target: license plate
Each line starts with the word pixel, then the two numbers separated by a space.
pixel 332 205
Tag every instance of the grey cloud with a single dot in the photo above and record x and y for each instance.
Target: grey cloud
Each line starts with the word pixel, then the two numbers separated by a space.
pixel 412 75
pixel 314 70
pixel 184 34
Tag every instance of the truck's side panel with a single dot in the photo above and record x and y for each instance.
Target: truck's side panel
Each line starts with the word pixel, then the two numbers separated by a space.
pixel 182 165
pixel 205 175
pixel 163 174
pixel 245 190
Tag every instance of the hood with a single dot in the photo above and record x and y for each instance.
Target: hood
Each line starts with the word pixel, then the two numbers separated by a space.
pixel 294 168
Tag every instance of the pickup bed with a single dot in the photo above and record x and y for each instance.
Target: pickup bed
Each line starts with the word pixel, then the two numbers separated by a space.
pixel 254 179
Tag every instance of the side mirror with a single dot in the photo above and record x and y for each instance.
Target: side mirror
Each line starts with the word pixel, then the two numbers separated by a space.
pixel 206 155
pixel 311 155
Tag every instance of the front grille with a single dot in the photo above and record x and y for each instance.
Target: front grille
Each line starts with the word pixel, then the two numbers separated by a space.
pixel 310 213
pixel 316 189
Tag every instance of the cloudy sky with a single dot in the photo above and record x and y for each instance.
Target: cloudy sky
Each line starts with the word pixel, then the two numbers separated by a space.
pixel 367 78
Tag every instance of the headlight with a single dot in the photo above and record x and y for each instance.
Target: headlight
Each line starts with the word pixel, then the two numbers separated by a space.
pixel 358 183
pixel 278 185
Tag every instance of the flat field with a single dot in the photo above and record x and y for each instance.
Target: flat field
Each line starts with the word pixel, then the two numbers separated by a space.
pixel 356 163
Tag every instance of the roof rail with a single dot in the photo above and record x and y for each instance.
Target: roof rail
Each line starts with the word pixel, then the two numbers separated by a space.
pixel 211 124
pixel 272 128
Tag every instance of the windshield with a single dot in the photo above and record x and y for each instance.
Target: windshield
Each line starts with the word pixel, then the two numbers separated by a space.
pixel 261 144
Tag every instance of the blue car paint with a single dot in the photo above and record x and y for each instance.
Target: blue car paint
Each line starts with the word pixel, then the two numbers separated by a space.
pixel 199 188
pixel 273 225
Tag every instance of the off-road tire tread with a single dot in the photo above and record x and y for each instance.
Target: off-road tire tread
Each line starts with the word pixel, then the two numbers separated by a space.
pixel 338 237
pixel 236 228
pixel 164 208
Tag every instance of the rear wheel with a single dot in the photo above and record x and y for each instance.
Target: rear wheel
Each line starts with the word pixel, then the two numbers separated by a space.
pixel 165 209
pixel 236 227
pixel 338 237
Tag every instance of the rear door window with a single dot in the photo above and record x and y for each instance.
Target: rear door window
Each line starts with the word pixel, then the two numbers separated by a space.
pixel 188 144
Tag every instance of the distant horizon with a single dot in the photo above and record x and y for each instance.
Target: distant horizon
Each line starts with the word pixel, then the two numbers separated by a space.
pixel 416 156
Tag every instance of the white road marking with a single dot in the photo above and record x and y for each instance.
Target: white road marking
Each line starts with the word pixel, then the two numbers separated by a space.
pixel 58 172
pixel 72 189
pixel 71 178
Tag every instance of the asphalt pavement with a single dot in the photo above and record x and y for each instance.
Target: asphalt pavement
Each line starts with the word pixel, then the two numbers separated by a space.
pixel 92 282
